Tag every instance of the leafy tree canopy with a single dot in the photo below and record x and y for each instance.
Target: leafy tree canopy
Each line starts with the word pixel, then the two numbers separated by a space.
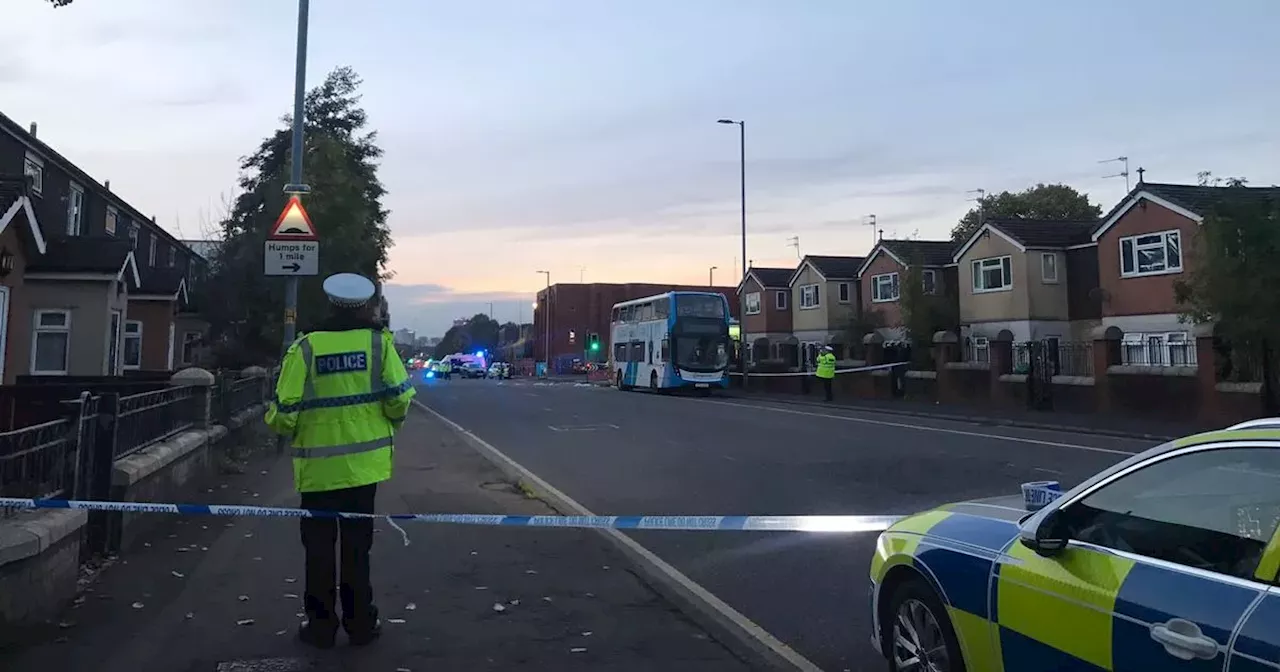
pixel 1043 201
pixel 479 333
pixel 926 310
pixel 345 206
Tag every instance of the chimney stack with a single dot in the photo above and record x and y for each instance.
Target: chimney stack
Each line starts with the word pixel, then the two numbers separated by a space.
pixel 33 129
pixel 107 185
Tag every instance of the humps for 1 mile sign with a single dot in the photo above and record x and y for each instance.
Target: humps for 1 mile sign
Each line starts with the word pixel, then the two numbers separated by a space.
pixel 287 257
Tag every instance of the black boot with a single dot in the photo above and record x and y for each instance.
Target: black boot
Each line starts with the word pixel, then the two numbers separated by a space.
pixel 363 633
pixel 320 634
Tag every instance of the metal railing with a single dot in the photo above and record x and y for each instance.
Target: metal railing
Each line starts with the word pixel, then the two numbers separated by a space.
pixel 1064 358
pixel 1158 353
pixel 151 417
pixel 977 352
pixel 38 461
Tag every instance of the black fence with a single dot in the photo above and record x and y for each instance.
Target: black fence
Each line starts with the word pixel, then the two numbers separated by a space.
pixel 1063 358
pixel 1158 352
pixel 70 455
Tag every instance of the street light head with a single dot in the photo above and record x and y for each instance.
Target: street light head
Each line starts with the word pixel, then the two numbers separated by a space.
pixel 725 121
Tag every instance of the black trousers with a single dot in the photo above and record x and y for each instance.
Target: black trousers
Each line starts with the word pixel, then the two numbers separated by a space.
pixel 826 387
pixel 319 537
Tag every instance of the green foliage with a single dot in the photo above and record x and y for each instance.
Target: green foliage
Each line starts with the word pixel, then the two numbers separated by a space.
pixel 924 314
pixel 1233 271
pixel 60 3
pixel 345 206
pixel 1043 201
pixel 860 325
pixel 479 333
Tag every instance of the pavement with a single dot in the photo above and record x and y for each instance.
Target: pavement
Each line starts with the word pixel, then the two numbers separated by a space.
pixel 218 594
pixel 636 453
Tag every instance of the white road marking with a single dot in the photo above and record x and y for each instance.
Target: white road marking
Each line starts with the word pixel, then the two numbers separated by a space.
pixel 923 428
pixel 725 611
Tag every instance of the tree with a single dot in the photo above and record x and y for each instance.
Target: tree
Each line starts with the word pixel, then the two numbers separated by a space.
pixel 924 313
pixel 1043 201
pixel 60 3
pixel 345 205
pixel 1233 270
pixel 479 333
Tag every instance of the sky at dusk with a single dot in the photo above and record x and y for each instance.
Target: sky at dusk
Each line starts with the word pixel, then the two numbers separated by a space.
pixel 579 136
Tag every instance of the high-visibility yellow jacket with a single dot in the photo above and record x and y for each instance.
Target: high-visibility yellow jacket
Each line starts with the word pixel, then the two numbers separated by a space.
pixel 826 365
pixel 341 397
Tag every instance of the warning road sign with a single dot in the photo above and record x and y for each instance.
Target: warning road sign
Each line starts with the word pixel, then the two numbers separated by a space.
pixel 294 223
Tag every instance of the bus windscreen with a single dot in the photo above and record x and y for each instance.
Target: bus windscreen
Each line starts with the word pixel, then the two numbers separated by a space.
pixel 700 306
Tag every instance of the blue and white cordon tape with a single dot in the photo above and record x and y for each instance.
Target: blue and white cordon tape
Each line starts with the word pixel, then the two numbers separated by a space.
pixel 685 523
pixel 874 367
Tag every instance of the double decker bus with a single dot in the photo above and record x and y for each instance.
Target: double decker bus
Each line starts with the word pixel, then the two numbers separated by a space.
pixel 672 340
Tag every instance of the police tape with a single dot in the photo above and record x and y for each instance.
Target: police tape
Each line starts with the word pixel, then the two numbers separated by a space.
pixel 824 523
pixel 874 367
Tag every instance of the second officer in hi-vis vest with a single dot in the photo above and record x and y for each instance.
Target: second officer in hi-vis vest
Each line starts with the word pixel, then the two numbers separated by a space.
pixel 342 395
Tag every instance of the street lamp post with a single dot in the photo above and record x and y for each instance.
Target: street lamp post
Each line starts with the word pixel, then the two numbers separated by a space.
pixel 546 314
pixel 295 185
pixel 711 276
pixel 742 167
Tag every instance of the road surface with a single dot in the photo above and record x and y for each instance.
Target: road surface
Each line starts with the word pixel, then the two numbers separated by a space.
pixel 635 453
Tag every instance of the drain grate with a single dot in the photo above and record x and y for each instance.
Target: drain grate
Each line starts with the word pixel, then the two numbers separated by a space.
pixel 267 665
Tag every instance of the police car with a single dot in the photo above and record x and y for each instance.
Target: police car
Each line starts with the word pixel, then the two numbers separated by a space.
pixel 1166 561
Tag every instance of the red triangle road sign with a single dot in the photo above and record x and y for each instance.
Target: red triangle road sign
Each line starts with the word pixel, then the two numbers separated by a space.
pixel 294 223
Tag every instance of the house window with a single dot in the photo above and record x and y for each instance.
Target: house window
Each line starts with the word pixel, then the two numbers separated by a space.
pixel 75 206
pixel 1158 349
pixel 780 300
pixel 113 217
pixel 1151 254
pixel 190 341
pixel 33 167
pixel 173 257
pixel 929 278
pixel 843 289
pixel 133 236
pixel 1049 267
pixel 979 349
pixel 151 255
pixel 884 287
pixel 809 297
pixel 753 303
pixel 51 343
pixel 993 275
pixel 132 344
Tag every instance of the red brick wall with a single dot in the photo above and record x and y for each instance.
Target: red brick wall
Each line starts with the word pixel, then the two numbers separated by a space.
pixel 770 319
pixel 892 312
pixel 1148 295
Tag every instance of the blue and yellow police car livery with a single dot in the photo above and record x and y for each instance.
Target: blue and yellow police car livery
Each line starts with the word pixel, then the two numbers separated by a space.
pixel 1165 561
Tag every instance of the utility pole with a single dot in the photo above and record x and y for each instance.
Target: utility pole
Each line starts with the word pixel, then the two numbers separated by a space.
pixel 295 186
pixel 1124 160
pixel 711 276
pixel 546 314
pixel 581 272
pixel 742 172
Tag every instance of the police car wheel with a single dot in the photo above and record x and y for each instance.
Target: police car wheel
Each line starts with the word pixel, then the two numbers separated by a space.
pixel 919 636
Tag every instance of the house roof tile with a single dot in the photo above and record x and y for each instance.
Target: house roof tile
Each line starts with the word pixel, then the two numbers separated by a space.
pixel 835 268
pixel 772 277
pixel 83 254
pixel 929 252
pixel 1040 233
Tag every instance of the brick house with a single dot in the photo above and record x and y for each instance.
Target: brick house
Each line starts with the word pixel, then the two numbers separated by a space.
pixel 824 303
pixel 95 238
pixel 1035 279
pixel 880 277
pixel 1142 246
pixel 20 240
pixel 766 322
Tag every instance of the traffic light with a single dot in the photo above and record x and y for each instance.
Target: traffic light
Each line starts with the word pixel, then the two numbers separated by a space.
pixel 593 342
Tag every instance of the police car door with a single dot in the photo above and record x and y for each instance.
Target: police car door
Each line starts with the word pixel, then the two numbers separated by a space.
pixel 1167 534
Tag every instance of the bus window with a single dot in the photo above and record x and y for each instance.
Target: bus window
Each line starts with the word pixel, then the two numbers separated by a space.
pixel 646 311
pixel 637 351
pixel 666 350
pixel 614 316
pixel 619 352
pixel 662 307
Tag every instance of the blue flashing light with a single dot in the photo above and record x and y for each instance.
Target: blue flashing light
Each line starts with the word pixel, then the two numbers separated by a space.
pixel 479 353
pixel 431 374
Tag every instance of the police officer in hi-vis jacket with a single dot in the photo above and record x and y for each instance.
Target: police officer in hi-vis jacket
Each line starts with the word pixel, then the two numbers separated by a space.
pixel 342 395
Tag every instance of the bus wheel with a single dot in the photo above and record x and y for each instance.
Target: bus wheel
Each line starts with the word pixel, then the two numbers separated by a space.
pixel 653 381
pixel 620 385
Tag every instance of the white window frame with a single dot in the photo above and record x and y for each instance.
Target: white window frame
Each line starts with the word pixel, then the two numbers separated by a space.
pixel 749 300
pixel 124 346
pixel 33 167
pixel 894 292
pixel 980 344
pixel 37 329
pixel 844 292
pixel 134 232
pixel 1049 268
pixel 75 210
pixel 172 257
pixel 1003 263
pixel 1133 255
pixel 188 340
pixel 151 255
pixel 113 220
pixel 810 297
pixel 780 300
pixel 929 281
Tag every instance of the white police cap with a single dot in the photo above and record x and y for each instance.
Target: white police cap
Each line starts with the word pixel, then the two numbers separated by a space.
pixel 348 290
